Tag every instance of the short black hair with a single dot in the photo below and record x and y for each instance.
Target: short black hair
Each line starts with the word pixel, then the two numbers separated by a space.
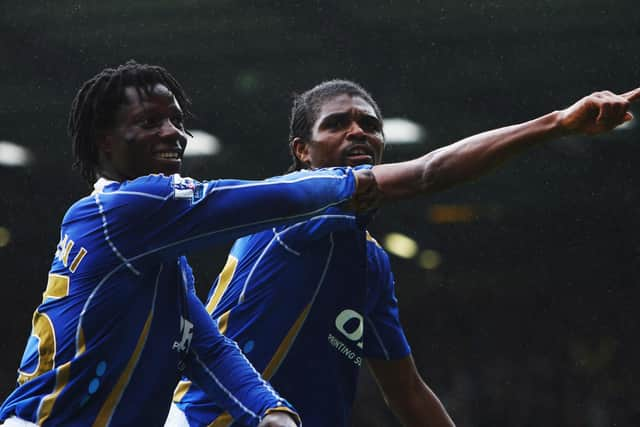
pixel 94 106
pixel 307 105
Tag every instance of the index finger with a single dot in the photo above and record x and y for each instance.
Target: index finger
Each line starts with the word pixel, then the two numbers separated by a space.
pixel 632 95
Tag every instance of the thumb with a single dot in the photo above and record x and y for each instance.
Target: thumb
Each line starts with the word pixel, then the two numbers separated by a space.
pixel 627 117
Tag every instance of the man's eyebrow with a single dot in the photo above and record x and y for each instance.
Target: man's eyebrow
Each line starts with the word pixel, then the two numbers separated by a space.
pixel 336 115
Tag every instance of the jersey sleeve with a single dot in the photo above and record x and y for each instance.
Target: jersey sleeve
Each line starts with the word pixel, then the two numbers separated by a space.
pixel 333 219
pixel 297 236
pixel 217 366
pixel 172 215
pixel 384 336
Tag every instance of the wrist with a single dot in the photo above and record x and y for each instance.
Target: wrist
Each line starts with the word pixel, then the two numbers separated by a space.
pixel 559 123
pixel 285 412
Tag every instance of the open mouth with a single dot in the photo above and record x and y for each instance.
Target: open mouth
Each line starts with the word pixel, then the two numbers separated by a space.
pixel 167 155
pixel 360 155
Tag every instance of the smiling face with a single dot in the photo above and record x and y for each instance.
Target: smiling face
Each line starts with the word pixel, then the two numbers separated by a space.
pixel 347 132
pixel 148 136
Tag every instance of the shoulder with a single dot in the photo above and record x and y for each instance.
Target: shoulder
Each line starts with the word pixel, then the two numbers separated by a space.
pixel 154 186
pixel 377 257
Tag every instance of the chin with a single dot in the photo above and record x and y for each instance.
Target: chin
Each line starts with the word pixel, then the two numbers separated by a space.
pixel 168 170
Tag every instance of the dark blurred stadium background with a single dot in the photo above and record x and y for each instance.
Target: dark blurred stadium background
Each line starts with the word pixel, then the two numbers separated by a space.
pixel 518 292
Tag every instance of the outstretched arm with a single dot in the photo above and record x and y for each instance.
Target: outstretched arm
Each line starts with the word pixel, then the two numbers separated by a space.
pixel 473 156
pixel 410 399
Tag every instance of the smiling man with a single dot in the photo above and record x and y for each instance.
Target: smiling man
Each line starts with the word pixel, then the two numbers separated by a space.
pixel 119 321
pixel 309 303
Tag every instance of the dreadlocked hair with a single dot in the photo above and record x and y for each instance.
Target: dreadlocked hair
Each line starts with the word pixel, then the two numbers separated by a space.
pixel 306 108
pixel 94 107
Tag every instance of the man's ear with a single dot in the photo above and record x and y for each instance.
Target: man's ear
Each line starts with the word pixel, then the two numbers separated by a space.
pixel 300 149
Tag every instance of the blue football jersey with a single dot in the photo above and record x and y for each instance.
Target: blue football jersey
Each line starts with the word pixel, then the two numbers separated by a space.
pixel 306 303
pixel 119 320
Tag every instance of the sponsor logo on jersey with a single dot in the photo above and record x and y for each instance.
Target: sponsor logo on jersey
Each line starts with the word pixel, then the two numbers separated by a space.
pixel 350 324
pixel 186 335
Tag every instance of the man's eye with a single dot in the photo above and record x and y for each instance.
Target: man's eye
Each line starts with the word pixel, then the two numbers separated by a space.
pixel 337 122
pixel 149 122
pixel 371 125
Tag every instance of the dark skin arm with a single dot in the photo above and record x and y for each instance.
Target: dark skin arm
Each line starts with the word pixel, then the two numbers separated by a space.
pixel 476 155
pixel 278 419
pixel 408 396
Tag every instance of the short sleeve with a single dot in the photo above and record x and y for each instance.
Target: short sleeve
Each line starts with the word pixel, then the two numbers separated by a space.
pixel 384 336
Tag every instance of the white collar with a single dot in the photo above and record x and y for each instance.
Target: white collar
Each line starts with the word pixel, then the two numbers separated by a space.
pixel 99 185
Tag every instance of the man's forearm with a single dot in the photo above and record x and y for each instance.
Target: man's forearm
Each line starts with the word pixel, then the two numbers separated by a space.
pixel 422 408
pixel 464 160
pixel 473 156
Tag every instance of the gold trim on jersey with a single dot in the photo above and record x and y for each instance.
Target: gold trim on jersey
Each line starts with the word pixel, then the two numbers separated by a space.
pixel 181 389
pixel 82 347
pixel 285 345
pixel 224 279
pixel 46 406
pixel 225 419
pixel 223 322
pixel 371 239
pixel 114 397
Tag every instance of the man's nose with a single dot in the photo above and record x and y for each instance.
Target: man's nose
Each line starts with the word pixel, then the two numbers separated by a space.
pixel 169 129
pixel 355 131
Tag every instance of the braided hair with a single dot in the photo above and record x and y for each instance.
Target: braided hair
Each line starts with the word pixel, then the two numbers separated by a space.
pixel 94 107
pixel 306 108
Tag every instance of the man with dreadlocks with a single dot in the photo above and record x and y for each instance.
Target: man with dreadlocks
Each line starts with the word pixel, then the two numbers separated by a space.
pixel 332 282
pixel 119 319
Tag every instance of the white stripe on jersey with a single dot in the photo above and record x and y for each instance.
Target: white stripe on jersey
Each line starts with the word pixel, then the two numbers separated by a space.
pixel 222 387
pixel 280 181
pixel 277 237
pixel 378 338
pixel 108 239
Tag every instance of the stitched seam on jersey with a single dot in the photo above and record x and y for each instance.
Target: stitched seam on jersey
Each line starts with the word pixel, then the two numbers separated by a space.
pixel 137 357
pixel 268 183
pixel 235 227
pixel 86 305
pixel 277 238
pixel 153 196
pixel 226 187
pixel 48 402
pixel 223 388
pixel 108 239
pixel 378 338
pixel 310 306
pixel 135 193
pixel 291 227
pixel 283 244
pixel 253 268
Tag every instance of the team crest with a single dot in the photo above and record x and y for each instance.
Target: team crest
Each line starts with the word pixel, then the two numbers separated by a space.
pixel 187 188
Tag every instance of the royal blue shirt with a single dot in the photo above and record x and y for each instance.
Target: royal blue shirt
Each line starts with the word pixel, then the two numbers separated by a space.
pixel 119 321
pixel 306 303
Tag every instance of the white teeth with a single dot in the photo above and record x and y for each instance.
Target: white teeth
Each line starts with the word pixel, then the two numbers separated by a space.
pixel 169 155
